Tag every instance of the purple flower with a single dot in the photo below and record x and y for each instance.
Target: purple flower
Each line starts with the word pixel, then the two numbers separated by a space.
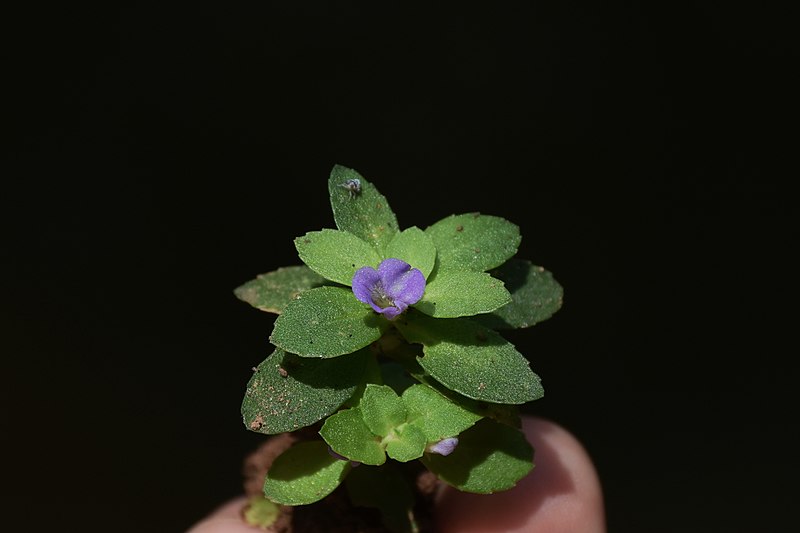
pixel 391 288
pixel 444 446
pixel 342 457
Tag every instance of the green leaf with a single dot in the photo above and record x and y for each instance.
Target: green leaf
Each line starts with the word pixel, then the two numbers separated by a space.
pixel 473 241
pixel 260 512
pixel 386 489
pixel 372 374
pixel 415 247
pixel 366 214
pixel 348 435
pixel 406 371
pixel 382 409
pixel 303 474
pixel 335 255
pixel 435 415
pixel 406 443
pixel 535 296
pixel 501 412
pixel 396 376
pixel 326 322
pixel 490 457
pixel 455 294
pixel 272 291
pixel 287 392
pixel 471 359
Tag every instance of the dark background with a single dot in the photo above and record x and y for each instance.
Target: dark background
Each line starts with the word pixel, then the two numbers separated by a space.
pixel 159 158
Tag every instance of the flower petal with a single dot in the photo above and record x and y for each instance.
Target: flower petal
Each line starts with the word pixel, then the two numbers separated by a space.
pixel 444 446
pixel 392 312
pixel 391 288
pixel 364 280
pixel 409 288
pixel 392 268
pixel 401 282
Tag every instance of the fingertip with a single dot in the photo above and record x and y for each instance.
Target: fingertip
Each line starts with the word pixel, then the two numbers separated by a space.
pixel 561 494
pixel 225 519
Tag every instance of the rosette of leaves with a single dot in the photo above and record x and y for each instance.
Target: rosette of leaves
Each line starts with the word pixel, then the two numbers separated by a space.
pixel 388 339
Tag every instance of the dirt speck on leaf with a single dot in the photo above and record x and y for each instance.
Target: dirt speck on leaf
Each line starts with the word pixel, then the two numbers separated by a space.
pixel 257 423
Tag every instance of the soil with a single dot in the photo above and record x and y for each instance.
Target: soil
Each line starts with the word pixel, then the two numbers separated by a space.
pixel 334 513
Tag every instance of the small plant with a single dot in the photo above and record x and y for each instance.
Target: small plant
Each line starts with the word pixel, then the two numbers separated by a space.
pixel 387 349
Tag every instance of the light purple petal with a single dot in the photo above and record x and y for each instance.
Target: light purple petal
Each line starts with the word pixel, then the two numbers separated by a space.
pixel 336 455
pixel 392 268
pixel 444 446
pixel 408 288
pixel 392 312
pixel 364 280
pixel 401 282
pixel 342 457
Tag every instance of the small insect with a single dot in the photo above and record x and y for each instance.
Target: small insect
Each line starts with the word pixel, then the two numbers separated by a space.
pixel 353 186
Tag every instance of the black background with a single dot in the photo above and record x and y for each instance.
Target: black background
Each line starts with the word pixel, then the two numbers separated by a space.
pixel 159 158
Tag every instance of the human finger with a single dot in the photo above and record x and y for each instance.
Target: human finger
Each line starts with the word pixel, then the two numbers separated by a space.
pixel 561 494
pixel 225 519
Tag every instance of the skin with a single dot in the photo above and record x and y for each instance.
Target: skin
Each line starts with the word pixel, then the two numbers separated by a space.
pixel 562 494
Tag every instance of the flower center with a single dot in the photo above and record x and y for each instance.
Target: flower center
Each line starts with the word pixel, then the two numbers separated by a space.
pixel 380 298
